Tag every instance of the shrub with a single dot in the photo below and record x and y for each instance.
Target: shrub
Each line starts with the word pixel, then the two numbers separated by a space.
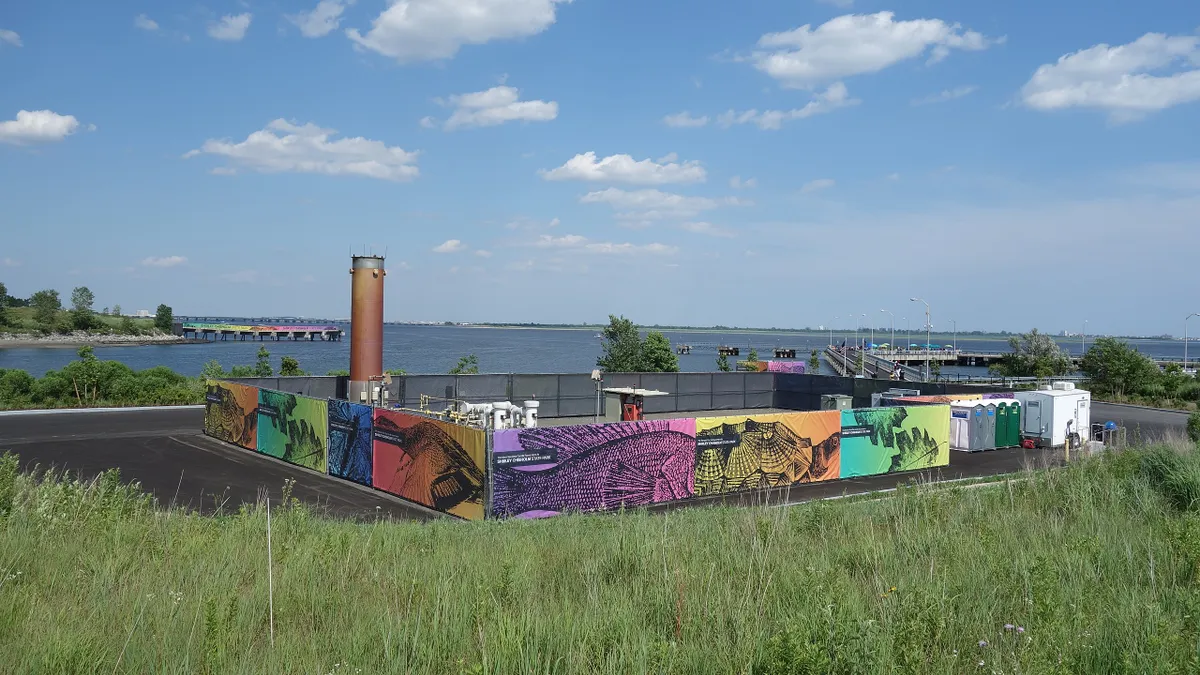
pixel 1193 427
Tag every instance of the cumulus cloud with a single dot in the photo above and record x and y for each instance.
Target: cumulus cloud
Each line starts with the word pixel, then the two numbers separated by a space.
pixel 286 147
pixel 855 44
pixel 575 242
pixel 493 107
pixel 165 261
pixel 483 253
pixel 10 37
pixel 817 185
pixel 1118 80
pixel 834 97
pixel 320 20
pixel 947 95
pixel 449 246
pixel 421 30
pixel 650 205
pixel 684 120
pixel 738 184
pixel 230 28
pixel 37 126
pixel 145 23
pixel 625 169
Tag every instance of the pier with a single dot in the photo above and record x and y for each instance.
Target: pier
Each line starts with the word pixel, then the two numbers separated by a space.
pixel 223 331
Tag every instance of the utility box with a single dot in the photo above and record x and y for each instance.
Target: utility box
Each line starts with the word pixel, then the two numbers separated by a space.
pixel 624 404
pixel 836 402
pixel 1049 414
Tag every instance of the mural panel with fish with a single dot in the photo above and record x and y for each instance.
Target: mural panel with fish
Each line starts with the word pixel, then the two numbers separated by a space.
pixel 231 413
pixel 889 440
pixel 594 467
pixel 766 451
pixel 430 462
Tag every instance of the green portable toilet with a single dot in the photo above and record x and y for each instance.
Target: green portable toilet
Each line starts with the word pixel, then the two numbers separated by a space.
pixel 1014 423
pixel 1002 438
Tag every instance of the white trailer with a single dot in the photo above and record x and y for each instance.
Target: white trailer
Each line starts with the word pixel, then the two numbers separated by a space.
pixel 1050 413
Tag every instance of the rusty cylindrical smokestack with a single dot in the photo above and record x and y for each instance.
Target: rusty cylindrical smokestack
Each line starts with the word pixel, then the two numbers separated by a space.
pixel 366 323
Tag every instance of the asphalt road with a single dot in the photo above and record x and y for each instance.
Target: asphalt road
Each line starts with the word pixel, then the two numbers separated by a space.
pixel 165 450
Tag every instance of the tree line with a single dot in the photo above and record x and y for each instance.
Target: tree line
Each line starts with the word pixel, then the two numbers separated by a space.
pixel 50 316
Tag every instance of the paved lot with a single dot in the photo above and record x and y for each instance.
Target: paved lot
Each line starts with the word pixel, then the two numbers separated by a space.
pixel 166 452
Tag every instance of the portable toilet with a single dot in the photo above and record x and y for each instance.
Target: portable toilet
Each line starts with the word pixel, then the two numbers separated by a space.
pixel 989 429
pixel 978 428
pixel 960 427
pixel 1002 438
pixel 1014 422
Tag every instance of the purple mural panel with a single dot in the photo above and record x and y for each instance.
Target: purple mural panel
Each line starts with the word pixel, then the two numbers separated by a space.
pixel 593 467
pixel 796 367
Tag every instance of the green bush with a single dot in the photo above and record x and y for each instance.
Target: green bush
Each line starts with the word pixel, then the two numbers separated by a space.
pixel 1193 427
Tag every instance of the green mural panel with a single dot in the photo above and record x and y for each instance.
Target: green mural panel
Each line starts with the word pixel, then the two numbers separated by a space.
pixel 890 440
pixel 293 428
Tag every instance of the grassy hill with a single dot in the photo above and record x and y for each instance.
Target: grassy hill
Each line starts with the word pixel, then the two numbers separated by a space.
pixel 1090 568
pixel 20 320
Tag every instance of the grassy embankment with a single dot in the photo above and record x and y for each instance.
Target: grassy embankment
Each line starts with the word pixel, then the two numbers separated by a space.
pixel 1091 568
pixel 21 320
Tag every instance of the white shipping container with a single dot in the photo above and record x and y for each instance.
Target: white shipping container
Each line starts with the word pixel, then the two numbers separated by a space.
pixel 1046 414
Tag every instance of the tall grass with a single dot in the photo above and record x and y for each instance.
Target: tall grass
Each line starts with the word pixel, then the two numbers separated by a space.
pixel 1090 568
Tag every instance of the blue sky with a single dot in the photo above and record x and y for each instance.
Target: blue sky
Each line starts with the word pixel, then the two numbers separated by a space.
pixel 763 163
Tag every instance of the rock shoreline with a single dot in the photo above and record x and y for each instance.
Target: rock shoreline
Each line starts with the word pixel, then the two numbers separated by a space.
pixel 81 338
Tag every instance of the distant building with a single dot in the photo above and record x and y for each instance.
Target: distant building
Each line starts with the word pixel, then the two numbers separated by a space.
pixel 144 314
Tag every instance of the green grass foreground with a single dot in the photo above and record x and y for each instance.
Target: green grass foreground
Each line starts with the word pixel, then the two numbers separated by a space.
pixel 1092 568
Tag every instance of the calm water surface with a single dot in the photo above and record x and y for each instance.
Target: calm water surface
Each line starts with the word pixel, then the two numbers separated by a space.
pixel 436 349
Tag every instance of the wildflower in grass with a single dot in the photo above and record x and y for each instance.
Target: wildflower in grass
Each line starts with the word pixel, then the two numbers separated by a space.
pixel 1020 629
pixel 982 644
pixel 1008 626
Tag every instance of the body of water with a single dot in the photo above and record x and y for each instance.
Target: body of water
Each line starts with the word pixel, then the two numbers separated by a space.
pixel 436 349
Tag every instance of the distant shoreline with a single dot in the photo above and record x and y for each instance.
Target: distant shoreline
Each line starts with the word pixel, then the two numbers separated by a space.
pixel 75 341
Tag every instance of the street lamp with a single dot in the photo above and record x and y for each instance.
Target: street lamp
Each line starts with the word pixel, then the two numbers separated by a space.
pixel 1083 340
pixel 1185 339
pixel 831 332
pixel 955 324
pixel 893 327
pixel 928 330
pixel 862 351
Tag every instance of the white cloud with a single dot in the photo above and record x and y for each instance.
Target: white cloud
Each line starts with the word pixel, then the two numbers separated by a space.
pixel 287 147
pixel 855 44
pixel 449 246
pixel 705 228
pixel 684 120
pixel 165 261
pixel 817 185
pixel 575 242
pixel 10 37
pixel 428 122
pixel 10 262
pixel 145 23
pixel 420 30
pixel 625 169
pixel 738 184
pixel 241 277
pixel 649 205
pixel 483 253
pixel 34 126
pixel 834 97
pixel 230 28
pixel 496 106
pixel 947 95
pixel 1117 79
pixel 320 20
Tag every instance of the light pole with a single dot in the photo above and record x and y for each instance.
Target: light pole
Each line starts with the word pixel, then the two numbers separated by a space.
pixel 1185 320
pixel 831 332
pixel 955 324
pixel 893 327
pixel 928 330
pixel 862 351
pixel 1083 339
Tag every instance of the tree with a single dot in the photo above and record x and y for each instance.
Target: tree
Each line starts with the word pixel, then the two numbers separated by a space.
pixel 814 363
pixel 3 305
pixel 1033 354
pixel 342 372
pixel 1115 369
pixel 752 357
pixel 657 355
pixel 467 365
pixel 128 327
pixel 622 347
pixel 393 371
pixel 262 363
pixel 212 370
pixel 82 300
pixel 104 311
pixel 116 310
pixel 288 366
pixel 723 364
pixel 46 306
pixel 164 318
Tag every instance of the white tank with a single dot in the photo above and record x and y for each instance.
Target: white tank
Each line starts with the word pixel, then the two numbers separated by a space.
pixel 531 413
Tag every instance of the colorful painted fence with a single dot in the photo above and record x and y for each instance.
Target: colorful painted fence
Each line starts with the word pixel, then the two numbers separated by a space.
pixel 231 413
pixel 351 450
pixel 293 428
pixel 434 463
pixel 889 440
pixel 766 451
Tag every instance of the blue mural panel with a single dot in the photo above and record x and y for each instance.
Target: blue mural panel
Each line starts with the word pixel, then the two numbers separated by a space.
pixel 350 437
